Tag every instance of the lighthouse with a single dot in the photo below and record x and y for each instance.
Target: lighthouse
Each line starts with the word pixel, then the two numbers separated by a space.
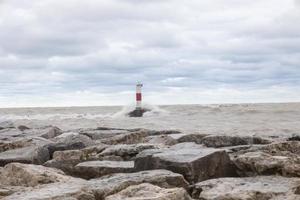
pixel 138 96
pixel 139 110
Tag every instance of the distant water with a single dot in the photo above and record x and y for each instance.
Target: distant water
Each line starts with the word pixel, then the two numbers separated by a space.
pixel 246 119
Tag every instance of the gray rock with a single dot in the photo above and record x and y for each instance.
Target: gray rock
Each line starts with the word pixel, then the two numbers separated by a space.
pixel 97 134
pixel 29 155
pixel 225 140
pixel 51 132
pixel 188 137
pixel 72 190
pixel 94 169
pixel 127 138
pixel 278 158
pixel 23 128
pixel 125 151
pixel 115 183
pixel 27 175
pixel 150 192
pixel 260 188
pixel 70 142
pixel 193 161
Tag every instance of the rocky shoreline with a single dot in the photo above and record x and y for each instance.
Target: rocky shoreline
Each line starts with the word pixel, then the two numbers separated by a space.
pixel 105 163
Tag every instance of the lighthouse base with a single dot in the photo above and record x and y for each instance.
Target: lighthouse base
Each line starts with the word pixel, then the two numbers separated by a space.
pixel 137 112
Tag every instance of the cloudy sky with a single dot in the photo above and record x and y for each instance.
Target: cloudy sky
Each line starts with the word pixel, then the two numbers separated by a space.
pixel 74 52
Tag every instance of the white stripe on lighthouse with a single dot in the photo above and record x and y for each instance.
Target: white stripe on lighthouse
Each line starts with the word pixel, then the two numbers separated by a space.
pixel 139 96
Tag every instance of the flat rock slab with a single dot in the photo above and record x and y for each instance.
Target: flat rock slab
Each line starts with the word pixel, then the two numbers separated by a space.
pixel 94 169
pixel 96 134
pixel 29 155
pixel 27 175
pixel 126 151
pixel 261 188
pixel 109 185
pixel 74 190
pixel 150 192
pixel 226 140
pixel 193 161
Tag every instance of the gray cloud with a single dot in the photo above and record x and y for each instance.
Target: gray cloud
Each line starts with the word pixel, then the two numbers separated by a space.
pixel 66 49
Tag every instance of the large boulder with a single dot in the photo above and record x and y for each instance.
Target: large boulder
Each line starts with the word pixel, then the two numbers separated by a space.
pixel 278 158
pixel 72 190
pixel 97 134
pixel 94 169
pixel 115 183
pixel 29 155
pixel 225 140
pixel 150 192
pixel 71 142
pixel 193 161
pixel 127 138
pixel 126 151
pixel 51 132
pixel 68 159
pixel 17 174
pixel 260 188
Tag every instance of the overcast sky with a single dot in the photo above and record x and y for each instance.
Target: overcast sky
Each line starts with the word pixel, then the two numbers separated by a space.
pixel 92 52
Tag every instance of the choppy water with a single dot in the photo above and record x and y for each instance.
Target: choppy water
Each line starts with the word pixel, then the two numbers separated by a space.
pixel 250 119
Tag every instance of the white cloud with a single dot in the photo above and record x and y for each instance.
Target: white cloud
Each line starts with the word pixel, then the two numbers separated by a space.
pixel 51 49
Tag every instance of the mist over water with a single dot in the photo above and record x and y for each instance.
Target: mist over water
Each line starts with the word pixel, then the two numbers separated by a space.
pixel 235 119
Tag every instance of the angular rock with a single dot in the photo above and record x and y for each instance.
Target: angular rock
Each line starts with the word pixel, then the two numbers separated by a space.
pixel 260 163
pixel 188 137
pixel 94 169
pixel 125 151
pixel 71 142
pixel 193 161
pixel 115 183
pixel 166 140
pixel 260 188
pixel 51 132
pixel 127 138
pixel 67 160
pixel 278 158
pixel 72 190
pixel 29 155
pixel 225 140
pixel 97 134
pixel 150 192
pixel 17 174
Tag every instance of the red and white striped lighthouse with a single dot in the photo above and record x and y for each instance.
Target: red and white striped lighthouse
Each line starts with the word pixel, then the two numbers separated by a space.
pixel 139 96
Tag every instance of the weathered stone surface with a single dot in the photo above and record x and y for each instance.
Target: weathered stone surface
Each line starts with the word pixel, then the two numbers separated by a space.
pixel 127 138
pixel 94 169
pixel 188 137
pixel 260 163
pixel 97 134
pixel 17 174
pixel 161 139
pixel 150 192
pixel 70 142
pixel 278 158
pixel 260 188
pixel 67 160
pixel 29 155
pixel 225 140
pixel 193 161
pixel 112 184
pixel 72 190
pixel 125 151
pixel 51 132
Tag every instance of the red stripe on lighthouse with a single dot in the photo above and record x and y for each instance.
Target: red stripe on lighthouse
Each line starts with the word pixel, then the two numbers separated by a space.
pixel 138 96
